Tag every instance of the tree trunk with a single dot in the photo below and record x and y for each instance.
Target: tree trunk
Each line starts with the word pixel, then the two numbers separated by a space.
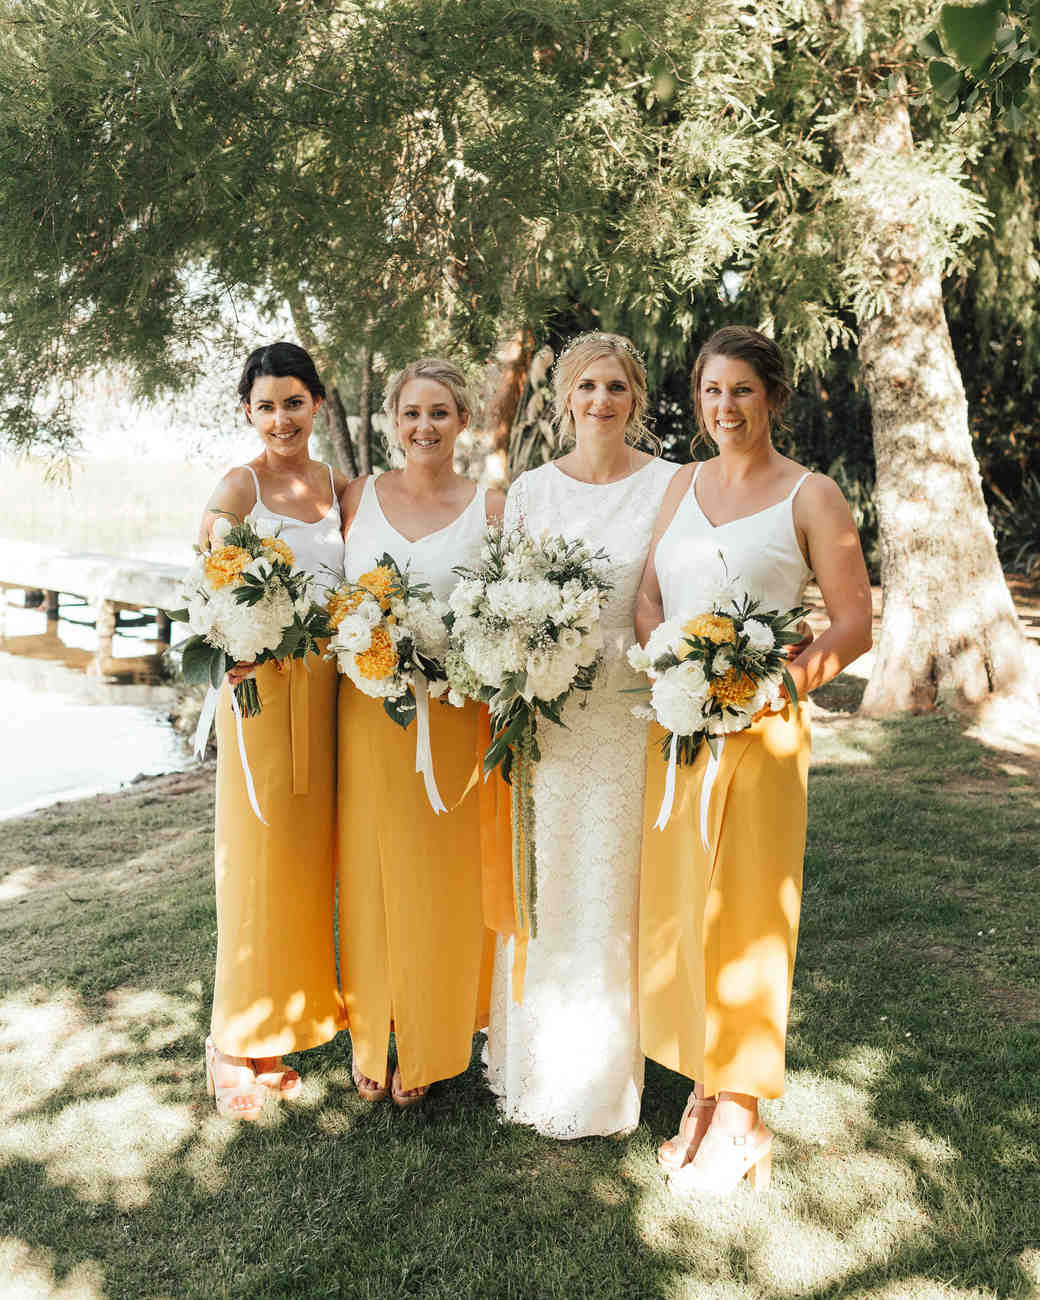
pixel 339 432
pixel 512 361
pixel 364 441
pixel 949 632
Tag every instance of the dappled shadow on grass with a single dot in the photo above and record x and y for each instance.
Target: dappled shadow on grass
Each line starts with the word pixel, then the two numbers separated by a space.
pixel 905 1143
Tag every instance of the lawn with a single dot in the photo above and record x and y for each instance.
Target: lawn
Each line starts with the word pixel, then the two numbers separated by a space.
pixel 906 1159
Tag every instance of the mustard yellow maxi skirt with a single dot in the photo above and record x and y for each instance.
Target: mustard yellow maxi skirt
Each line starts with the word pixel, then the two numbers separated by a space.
pixel 414 953
pixel 275 989
pixel 718 927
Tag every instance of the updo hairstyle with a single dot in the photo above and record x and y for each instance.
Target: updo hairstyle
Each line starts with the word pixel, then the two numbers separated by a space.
pixel 437 369
pixel 742 343
pixel 576 358
pixel 280 360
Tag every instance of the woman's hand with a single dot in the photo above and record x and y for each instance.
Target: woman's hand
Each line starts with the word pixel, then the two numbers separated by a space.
pixel 806 632
pixel 239 673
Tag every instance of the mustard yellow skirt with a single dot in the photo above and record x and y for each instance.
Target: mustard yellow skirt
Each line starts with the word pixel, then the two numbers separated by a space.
pixel 276 989
pixel 718 925
pixel 414 953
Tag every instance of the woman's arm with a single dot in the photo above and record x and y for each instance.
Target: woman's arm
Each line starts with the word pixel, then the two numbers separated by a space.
pixel 649 602
pixel 233 496
pixel 822 517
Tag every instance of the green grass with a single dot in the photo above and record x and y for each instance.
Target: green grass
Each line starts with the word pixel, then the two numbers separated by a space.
pixel 906 1161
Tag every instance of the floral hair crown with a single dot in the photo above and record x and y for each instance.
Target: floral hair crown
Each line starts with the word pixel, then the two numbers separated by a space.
pixel 618 340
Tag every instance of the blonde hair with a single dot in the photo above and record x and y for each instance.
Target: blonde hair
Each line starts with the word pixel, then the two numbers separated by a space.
pixel 576 358
pixel 437 369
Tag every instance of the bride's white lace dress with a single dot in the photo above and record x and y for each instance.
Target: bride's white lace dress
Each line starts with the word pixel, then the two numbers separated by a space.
pixel 568 1060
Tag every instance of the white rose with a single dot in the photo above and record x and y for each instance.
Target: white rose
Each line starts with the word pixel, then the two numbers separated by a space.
pixel 639 659
pixel 569 639
pixel 354 634
pixel 723 661
pixel 664 639
pixel 760 635
pixel 221 527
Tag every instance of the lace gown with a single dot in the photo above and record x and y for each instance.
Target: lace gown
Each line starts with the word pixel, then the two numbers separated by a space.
pixel 567 1060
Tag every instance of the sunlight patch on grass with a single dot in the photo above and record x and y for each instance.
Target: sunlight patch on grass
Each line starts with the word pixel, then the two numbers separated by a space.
pixel 28 1274
pixel 18 882
pixel 921 1288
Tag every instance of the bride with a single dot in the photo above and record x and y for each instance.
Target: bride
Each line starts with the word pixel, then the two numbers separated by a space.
pixel 567 1059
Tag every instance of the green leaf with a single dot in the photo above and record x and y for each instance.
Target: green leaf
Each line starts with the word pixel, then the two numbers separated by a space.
pixel 1006 39
pixel 930 46
pixel 401 710
pixel 944 78
pixel 792 690
pixel 176 615
pixel 197 660
pixel 217 668
pixel 970 31
pixel 1014 118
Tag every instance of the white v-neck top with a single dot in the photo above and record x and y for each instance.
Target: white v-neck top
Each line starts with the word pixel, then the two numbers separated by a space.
pixel 430 559
pixel 759 552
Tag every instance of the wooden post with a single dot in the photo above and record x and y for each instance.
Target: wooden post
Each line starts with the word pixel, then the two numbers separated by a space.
pixel 50 604
pixel 162 627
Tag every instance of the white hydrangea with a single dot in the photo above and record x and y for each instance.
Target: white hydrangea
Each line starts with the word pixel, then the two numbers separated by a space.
pixel 679 696
pixel 549 674
pixel 425 620
pixel 664 639
pixel 760 635
pixel 248 630
pixel 353 636
pixel 514 600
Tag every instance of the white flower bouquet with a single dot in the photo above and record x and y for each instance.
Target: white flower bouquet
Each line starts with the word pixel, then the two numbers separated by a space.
pixel 525 635
pixel 390 639
pixel 711 673
pixel 245 603
pixel 387 628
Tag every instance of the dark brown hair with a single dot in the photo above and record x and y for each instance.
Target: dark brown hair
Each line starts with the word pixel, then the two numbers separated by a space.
pixel 280 360
pixel 742 343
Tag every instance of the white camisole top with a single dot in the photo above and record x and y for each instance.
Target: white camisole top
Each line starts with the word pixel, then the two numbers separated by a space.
pixel 431 559
pixel 759 553
pixel 318 546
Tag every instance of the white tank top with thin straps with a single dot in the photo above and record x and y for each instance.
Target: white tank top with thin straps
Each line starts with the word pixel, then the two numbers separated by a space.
pixel 317 547
pixel 431 559
pixel 759 553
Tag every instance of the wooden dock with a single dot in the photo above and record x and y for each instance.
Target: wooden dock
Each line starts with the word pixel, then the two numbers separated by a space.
pixel 110 584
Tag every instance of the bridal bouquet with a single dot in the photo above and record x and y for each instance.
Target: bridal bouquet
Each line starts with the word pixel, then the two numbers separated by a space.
pixel 390 638
pixel 245 603
pixel 710 674
pixel 525 636
pixel 387 629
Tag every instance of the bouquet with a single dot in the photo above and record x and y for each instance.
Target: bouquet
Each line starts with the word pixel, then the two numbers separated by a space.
pixel 245 603
pixel 525 636
pixel 390 637
pixel 712 673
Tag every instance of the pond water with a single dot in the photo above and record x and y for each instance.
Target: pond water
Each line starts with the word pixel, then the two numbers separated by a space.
pixel 64 734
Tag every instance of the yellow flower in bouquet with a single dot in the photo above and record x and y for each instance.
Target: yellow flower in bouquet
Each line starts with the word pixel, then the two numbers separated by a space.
pixel 733 689
pixel 281 550
pixel 717 628
pixel 341 603
pixel 379 582
pixel 380 659
pixel 224 564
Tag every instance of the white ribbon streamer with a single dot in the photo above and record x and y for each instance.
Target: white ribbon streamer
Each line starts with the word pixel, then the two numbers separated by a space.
pixel 707 785
pixel 423 753
pixel 205 724
pixel 250 788
pixel 669 787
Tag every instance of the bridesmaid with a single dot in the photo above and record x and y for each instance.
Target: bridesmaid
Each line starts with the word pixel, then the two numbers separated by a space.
pixel 414 954
pixel 719 926
pixel 275 989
